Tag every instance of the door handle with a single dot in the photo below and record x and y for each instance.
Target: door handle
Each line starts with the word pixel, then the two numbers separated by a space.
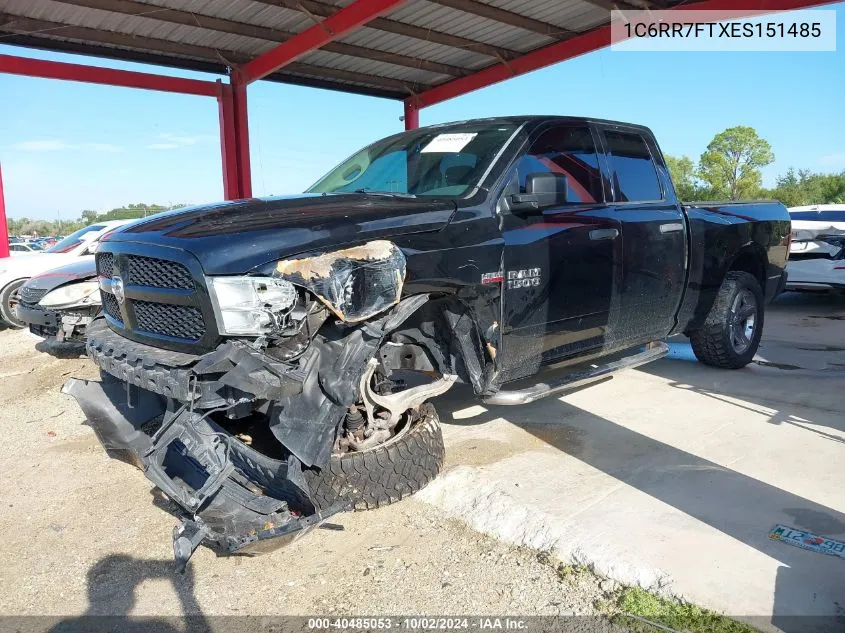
pixel 671 227
pixel 604 234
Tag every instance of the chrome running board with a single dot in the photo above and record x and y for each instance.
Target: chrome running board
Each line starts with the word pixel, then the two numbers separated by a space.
pixel 653 351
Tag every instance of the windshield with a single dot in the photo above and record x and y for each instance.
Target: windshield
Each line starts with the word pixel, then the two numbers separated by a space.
pixel 444 162
pixel 73 240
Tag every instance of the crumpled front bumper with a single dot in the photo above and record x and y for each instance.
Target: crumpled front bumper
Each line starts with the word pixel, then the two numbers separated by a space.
pixel 230 373
pixel 63 324
pixel 229 495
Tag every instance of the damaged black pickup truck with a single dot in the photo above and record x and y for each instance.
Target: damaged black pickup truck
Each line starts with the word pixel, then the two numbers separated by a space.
pixel 269 362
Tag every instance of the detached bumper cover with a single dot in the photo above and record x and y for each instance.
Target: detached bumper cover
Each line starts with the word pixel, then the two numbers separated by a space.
pixel 305 400
pixel 230 496
pixel 153 409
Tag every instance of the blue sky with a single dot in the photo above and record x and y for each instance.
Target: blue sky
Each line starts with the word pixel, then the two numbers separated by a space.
pixel 67 146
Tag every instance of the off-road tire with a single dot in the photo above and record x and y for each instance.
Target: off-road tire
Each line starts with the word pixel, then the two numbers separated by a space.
pixel 712 342
pixel 385 474
pixel 6 316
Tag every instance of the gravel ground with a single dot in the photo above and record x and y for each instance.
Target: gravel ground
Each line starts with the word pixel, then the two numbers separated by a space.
pixel 83 534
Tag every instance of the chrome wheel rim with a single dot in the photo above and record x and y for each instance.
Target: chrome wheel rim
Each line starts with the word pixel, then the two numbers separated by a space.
pixel 742 321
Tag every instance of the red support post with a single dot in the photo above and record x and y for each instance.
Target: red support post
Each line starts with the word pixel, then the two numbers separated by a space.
pixel 345 20
pixel 412 115
pixel 586 43
pixel 234 139
pixel 228 143
pixel 13 65
pixel 242 136
pixel 4 227
pixel 234 134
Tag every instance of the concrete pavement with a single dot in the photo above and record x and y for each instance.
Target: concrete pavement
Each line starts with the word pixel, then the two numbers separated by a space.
pixel 672 476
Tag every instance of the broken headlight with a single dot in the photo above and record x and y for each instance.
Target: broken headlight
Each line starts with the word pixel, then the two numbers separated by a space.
pixel 80 294
pixel 354 283
pixel 250 305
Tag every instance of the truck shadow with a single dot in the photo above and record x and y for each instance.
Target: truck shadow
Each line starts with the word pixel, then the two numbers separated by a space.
pixel 69 350
pixel 735 389
pixel 807 596
pixel 799 594
pixel 112 586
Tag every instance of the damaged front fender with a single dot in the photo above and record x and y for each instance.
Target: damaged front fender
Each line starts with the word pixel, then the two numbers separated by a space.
pixel 332 367
pixel 354 283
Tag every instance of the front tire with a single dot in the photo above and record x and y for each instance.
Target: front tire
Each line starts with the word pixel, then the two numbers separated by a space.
pixel 9 299
pixel 731 333
pixel 385 474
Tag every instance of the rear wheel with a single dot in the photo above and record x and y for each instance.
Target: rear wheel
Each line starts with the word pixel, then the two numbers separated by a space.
pixel 9 300
pixel 731 333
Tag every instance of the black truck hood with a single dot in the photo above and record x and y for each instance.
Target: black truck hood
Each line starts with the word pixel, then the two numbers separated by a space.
pixel 239 236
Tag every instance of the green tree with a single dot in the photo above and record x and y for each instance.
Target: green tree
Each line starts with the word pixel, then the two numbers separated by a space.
pixel 826 188
pixel 684 177
pixel 802 187
pixel 792 188
pixel 25 226
pixel 88 216
pixel 731 163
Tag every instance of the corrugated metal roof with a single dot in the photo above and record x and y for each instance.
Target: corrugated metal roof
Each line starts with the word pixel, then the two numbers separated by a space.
pixel 368 67
pixel 242 11
pixel 431 15
pixel 572 15
pixel 421 44
pixel 413 47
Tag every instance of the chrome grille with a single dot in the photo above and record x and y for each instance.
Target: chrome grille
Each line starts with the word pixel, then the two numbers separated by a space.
pixel 169 320
pixel 158 273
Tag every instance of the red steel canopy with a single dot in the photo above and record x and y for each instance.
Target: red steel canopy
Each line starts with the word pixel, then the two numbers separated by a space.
pixel 422 52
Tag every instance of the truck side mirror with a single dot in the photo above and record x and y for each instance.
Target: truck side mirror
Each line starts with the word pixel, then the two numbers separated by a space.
pixel 541 190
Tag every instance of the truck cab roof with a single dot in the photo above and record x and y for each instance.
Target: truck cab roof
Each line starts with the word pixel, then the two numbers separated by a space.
pixel 538 119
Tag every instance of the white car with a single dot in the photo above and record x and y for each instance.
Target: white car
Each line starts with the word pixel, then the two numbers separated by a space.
pixel 14 271
pixel 817 251
pixel 20 248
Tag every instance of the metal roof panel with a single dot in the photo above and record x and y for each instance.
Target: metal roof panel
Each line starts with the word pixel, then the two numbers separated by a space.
pixel 370 67
pixel 440 18
pixel 164 38
pixel 413 47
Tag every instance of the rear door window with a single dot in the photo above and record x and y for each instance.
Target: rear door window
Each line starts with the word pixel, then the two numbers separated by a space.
pixel 632 167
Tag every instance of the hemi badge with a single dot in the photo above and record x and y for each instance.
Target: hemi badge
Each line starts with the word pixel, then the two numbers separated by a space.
pixel 492 278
